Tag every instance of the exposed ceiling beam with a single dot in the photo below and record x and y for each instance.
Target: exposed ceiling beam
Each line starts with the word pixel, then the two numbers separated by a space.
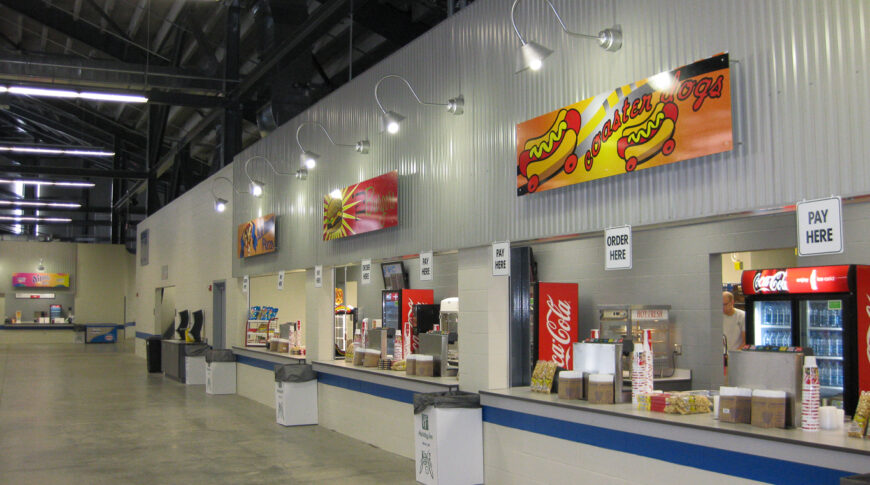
pixel 74 172
pixel 65 23
pixel 34 69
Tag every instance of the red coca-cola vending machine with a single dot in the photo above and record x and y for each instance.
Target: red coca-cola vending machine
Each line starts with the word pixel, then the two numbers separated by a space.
pixel 398 311
pixel 558 325
pixel 823 308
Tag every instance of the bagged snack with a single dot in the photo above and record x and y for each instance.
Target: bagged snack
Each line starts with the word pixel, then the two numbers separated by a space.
pixel 858 427
pixel 687 403
pixel 542 376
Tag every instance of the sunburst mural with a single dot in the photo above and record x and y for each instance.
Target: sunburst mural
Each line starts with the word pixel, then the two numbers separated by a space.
pixel 337 214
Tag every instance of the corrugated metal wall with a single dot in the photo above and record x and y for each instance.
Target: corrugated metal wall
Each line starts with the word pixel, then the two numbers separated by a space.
pixel 800 105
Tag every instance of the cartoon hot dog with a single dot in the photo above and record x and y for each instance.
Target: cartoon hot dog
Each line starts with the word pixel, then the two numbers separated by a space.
pixel 544 156
pixel 646 137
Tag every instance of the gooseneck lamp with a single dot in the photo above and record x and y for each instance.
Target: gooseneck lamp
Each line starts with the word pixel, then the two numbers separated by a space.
pixel 531 54
pixel 308 159
pixel 390 120
pixel 220 204
pixel 257 187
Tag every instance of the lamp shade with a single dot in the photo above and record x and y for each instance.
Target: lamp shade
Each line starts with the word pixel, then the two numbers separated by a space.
pixel 531 56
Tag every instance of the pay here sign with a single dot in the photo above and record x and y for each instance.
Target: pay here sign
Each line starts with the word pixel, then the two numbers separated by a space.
pixel 820 227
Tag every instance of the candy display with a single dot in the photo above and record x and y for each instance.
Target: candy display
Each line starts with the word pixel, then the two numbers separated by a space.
pixel 262 313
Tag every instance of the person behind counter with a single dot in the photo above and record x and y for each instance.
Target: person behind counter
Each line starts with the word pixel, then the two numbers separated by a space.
pixel 733 322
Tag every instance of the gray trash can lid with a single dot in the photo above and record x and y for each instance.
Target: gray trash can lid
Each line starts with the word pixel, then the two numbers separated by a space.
pixel 219 355
pixel 294 373
pixel 154 338
pixel 77 327
pixel 449 399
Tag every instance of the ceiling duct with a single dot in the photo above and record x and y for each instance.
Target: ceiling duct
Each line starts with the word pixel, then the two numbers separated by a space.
pixel 277 19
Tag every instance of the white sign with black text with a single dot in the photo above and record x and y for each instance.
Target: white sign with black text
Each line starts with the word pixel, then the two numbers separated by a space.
pixel 820 226
pixel 617 248
pixel 501 258
pixel 427 266
pixel 280 280
pixel 245 284
pixel 318 276
pixel 366 275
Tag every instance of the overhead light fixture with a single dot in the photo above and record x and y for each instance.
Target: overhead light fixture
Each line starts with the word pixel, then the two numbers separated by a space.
pixel 220 204
pixel 308 159
pixel 40 267
pixel 335 194
pixel 390 120
pixel 531 54
pixel 302 174
pixel 69 94
pixel 86 185
pixel 34 219
pixel 31 203
pixel 257 188
pixel 57 151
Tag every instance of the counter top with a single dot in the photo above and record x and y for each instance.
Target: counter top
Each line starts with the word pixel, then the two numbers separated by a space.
pixel 535 402
pixel 37 326
pixel 387 377
pixel 268 355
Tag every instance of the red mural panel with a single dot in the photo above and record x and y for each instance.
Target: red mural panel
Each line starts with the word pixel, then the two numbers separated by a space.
pixel 367 206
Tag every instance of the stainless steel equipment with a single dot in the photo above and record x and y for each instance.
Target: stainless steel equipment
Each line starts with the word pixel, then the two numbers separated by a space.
pixel 781 371
pixel 435 344
pixel 381 339
pixel 629 321
pixel 603 358
pixel 449 318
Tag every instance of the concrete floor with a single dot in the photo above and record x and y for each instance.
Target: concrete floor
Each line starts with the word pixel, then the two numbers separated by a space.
pixel 73 413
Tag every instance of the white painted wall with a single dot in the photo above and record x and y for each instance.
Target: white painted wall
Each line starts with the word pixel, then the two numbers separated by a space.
pixel 196 243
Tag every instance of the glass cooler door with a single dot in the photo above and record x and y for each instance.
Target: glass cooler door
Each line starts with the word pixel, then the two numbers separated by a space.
pixel 822 330
pixel 773 323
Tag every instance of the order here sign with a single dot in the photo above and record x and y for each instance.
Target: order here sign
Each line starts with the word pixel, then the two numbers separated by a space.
pixel 820 227
pixel 617 248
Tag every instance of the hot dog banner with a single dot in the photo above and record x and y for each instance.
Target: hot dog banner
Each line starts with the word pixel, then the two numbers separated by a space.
pixel 370 205
pixel 40 280
pixel 676 115
pixel 257 236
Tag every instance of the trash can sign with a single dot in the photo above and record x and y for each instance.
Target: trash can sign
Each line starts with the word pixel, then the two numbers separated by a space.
pixel 427 457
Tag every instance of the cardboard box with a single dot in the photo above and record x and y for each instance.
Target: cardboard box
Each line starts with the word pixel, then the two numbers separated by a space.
pixel 600 391
pixel 735 409
pixel 768 412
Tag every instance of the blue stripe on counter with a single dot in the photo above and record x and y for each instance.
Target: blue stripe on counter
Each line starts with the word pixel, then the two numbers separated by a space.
pixel 694 455
pixel 253 362
pixel 130 324
pixel 379 390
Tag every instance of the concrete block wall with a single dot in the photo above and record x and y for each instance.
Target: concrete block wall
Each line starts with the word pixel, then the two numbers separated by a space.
pixel 483 322
pixel 513 456
pixel 196 244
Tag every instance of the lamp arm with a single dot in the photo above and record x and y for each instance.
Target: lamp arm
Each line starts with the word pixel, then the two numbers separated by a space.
pixel 214 182
pixel 248 161
pixel 558 17
pixel 319 125
pixel 414 93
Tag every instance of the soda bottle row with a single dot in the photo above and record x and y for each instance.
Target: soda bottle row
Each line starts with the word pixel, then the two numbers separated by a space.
pixel 824 317
pixel 831 373
pixel 776 338
pixel 828 344
pixel 777 315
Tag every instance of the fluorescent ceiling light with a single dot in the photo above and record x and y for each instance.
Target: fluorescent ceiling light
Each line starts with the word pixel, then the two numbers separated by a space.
pixel 31 203
pixel 57 151
pixel 34 219
pixel 47 182
pixel 65 93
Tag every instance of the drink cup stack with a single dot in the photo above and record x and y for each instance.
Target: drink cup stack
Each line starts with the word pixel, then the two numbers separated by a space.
pixel 810 395
pixel 648 357
pixel 595 333
pixel 398 347
pixel 638 372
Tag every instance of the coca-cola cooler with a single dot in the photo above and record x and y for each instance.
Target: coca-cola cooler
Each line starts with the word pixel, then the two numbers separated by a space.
pixel 558 326
pixel 823 308
pixel 398 312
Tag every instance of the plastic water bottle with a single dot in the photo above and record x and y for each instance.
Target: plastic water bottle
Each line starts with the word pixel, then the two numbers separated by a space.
pixel 838 319
pixel 767 315
pixel 839 370
pixel 838 346
pixel 824 373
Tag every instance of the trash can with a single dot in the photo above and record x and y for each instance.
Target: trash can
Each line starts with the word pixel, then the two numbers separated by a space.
pixel 448 438
pixel 79 331
pixel 194 364
pixel 856 479
pixel 220 372
pixel 152 353
pixel 295 394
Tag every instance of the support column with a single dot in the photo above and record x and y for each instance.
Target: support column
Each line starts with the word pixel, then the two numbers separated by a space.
pixel 231 128
pixel 319 316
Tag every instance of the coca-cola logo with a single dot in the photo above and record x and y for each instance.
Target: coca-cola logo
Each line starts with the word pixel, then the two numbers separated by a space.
pixel 867 309
pixel 770 283
pixel 559 326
